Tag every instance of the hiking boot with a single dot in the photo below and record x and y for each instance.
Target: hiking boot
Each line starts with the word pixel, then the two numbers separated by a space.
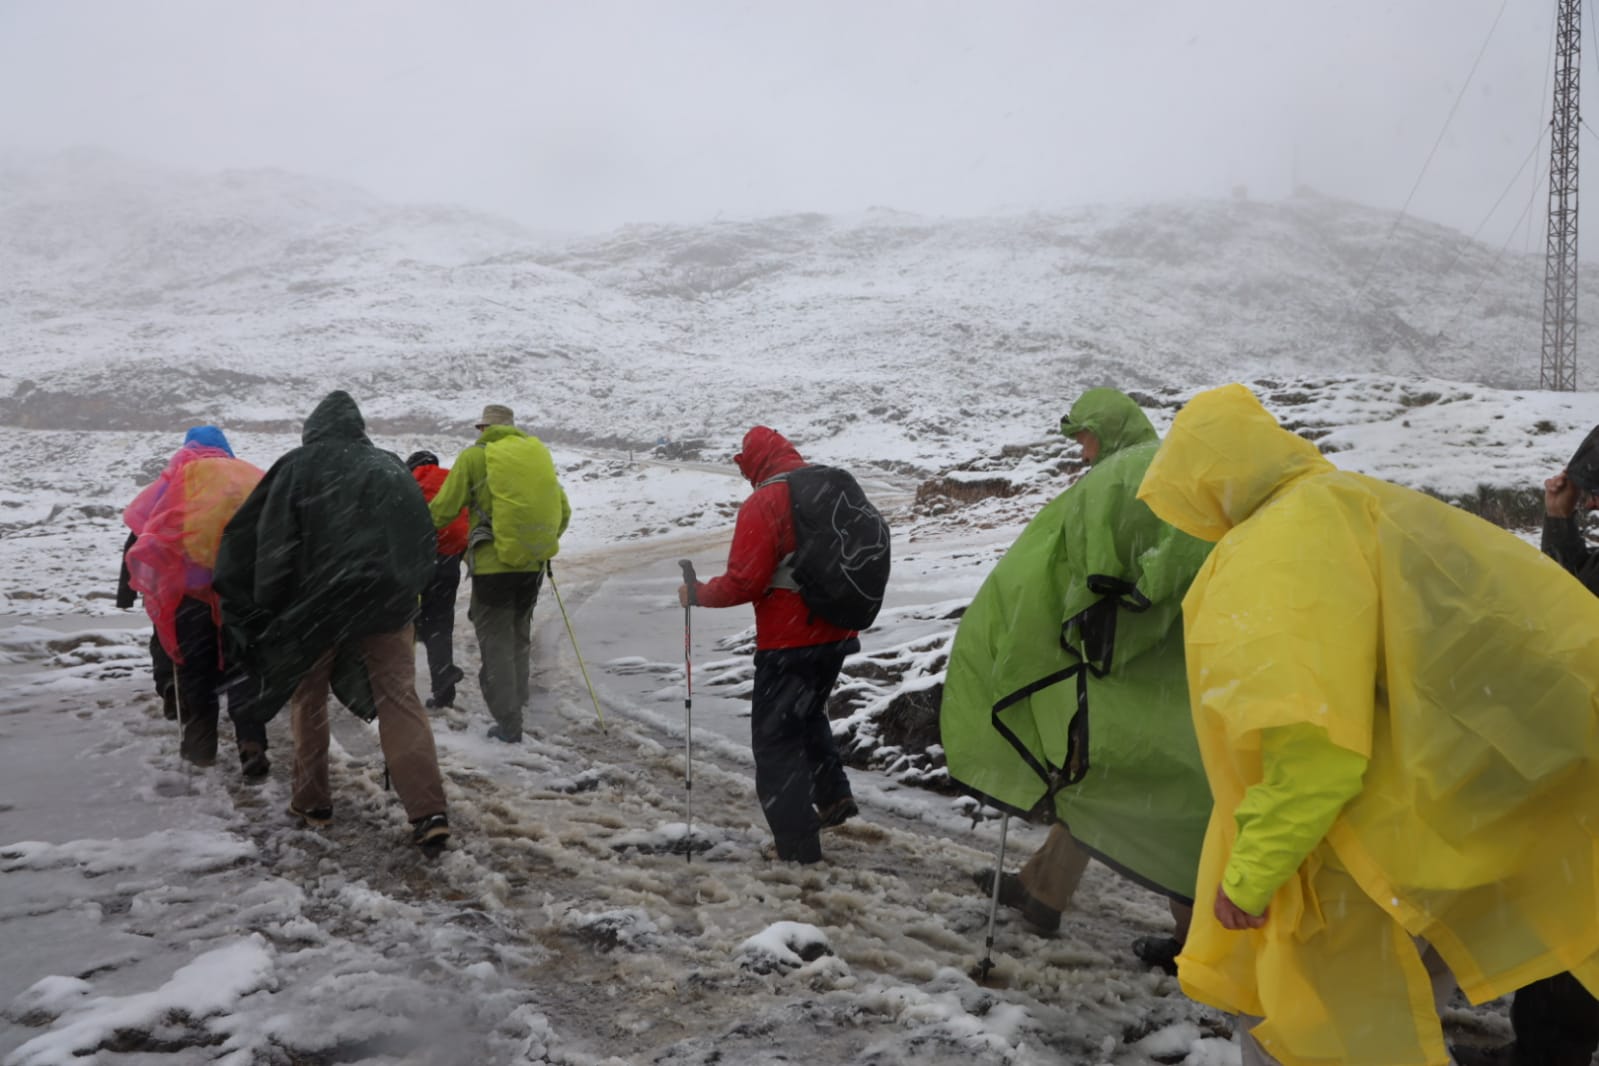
pixel 444 688
pixel 314 817
pixel 1012 893
pixel 169 703
pixel 430 832
pixel 804 850
pixel 253 761
pixel 1043 918
pixel 838 812
pixel 504 736
pixel 1159 951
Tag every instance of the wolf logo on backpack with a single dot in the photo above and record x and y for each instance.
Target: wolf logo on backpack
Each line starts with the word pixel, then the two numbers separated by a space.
pixel 841 558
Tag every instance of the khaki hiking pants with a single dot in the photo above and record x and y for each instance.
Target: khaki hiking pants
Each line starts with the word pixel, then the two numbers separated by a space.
pixel 501 612
pixel 403 728
pixel 1052 875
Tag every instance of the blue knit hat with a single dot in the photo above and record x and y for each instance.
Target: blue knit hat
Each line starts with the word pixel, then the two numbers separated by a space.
pixel 207 437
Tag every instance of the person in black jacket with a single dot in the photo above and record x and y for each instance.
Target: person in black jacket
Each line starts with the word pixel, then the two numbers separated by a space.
pixel 1556 1020
pixel 1568 494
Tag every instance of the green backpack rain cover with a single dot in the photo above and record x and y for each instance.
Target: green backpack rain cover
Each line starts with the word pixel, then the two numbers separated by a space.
pixel 525 516
pixel 1066 684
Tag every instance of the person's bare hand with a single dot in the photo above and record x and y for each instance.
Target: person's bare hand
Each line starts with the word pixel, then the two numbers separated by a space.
pixel 682 595
pixel 1232 916
pixel 1560 496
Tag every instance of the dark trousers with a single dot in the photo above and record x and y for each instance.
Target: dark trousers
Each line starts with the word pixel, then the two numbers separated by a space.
pixel 201 680
pixel 166 685
pixel 160 666
pixel 435 626
pixel 502 616
pixel 797 766
pixel 1556 1021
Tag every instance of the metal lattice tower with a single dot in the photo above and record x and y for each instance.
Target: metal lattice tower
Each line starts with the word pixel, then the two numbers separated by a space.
pixel 1559 367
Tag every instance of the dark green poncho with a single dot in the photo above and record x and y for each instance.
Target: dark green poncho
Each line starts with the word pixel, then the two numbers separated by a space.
pixel 334 544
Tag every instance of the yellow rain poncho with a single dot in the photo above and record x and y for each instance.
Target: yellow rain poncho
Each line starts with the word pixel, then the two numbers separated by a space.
pixel 1344 624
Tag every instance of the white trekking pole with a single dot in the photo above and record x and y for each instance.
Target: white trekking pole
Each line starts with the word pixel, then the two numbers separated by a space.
pixel 688 705
pixel 987 964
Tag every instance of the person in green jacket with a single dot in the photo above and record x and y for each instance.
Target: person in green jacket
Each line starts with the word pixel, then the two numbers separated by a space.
pixel 319 574
pixel 1065 692
pixel 518 512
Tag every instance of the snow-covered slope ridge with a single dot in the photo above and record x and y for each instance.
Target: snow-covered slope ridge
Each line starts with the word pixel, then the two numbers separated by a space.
pixel 131 297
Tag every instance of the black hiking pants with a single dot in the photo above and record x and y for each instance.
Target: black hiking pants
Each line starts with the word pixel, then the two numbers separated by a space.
pixel 1556 1022
pixel 435 627
pixel 200 681
pixel 161 669
pixel 797 766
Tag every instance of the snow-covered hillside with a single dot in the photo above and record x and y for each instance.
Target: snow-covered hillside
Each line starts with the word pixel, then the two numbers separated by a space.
pixel 135 298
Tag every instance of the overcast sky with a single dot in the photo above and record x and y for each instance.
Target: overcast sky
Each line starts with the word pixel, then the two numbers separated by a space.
pixel 587 114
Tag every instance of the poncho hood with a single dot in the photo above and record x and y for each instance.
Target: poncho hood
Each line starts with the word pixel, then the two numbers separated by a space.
pixel 1112 416
pixel 336 419
pixel 1224 456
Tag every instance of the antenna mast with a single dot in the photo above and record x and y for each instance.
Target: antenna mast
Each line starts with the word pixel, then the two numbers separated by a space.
pixel 1559 367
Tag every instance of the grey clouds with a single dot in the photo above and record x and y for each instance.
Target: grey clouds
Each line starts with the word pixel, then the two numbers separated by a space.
pixel 585 116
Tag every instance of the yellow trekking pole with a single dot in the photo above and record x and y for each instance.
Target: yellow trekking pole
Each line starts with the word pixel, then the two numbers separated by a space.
pixel 549 572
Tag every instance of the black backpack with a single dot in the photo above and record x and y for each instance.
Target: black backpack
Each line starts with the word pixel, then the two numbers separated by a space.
pixel 841 556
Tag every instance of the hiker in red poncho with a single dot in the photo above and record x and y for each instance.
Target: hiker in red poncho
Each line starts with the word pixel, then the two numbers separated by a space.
pixel 177 523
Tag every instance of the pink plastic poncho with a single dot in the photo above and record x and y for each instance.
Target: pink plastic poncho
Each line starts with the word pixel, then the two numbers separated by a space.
pixel 179 519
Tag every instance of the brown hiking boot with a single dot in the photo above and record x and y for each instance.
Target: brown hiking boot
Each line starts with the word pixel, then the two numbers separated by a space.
pixel 838 812
pixel 1012 893
pixel 430 832
pixel 313 817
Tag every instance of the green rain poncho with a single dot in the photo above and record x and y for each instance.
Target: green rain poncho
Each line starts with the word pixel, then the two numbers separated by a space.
pixel 1067 678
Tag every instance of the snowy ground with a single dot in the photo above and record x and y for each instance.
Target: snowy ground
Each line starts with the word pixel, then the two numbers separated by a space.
pixel 152 913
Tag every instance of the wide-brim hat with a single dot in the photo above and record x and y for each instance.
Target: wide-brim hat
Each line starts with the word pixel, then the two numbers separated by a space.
pixel 496 414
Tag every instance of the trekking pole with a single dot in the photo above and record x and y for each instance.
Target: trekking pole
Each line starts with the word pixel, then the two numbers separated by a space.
pixel 688 704
pixel 987 964
pixel 549 572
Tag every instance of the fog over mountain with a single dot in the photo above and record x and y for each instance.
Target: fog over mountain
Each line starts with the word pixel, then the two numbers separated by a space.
pixel 137 297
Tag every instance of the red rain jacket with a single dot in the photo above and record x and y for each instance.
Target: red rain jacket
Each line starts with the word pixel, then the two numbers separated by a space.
pixel 762 537
pixel 452 538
